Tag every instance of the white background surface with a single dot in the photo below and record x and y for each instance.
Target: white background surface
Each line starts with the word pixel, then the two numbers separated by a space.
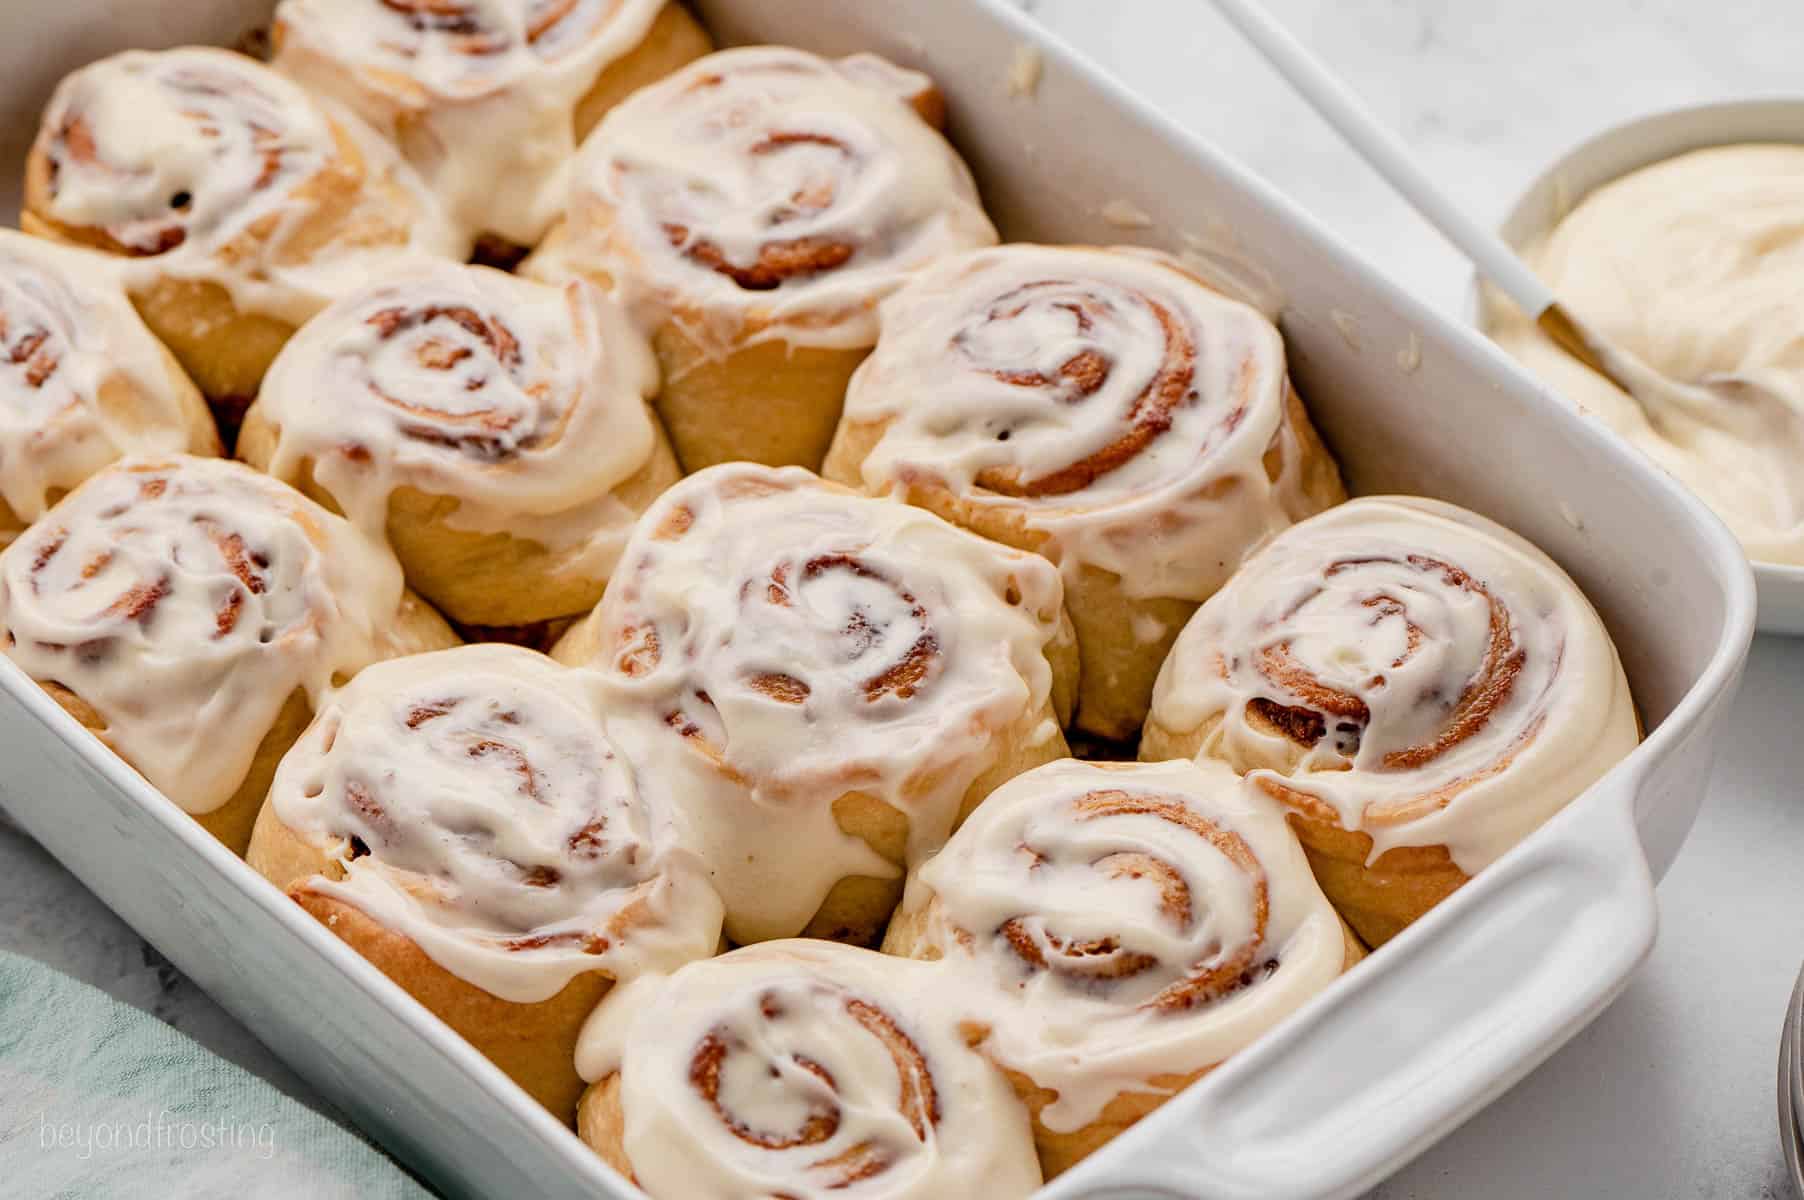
pixel 1671 1092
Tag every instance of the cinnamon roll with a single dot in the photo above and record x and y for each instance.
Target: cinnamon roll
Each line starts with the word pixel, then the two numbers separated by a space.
pixel 237 206
pixel 798 1068
pixel 191 613
pixel 1111 932
pixel 756 206
pixel 1102 407
pixel 465 821
pixel 487 99
pixel 493 429
pixel 82 382
pixel 830 682
pixel 1418 686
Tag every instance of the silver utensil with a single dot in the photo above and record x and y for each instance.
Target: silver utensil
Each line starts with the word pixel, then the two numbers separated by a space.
pixel 1756 406
pixel 1791 1086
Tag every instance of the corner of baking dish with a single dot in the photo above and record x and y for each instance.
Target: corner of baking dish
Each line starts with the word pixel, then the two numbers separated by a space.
pixel 1468 1000
pixel 223 923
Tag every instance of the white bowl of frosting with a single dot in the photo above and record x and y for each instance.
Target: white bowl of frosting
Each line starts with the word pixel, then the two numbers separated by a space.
pixel 1681 236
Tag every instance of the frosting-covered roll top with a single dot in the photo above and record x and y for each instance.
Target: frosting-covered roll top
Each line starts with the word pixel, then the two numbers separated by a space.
pixel 480 808
pixel 466 48
pixel 230 193
pixel 481 95
pixel 786 642
pixel 82 382
pixel 1408 670
pixel 526 404
pixel 1109 924
pixel 184 600
pixel 765 186
pixel 1137 420
pixel 804 1069
pixel 147 152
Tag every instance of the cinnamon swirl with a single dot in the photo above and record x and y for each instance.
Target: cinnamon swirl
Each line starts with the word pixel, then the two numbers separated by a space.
pixel 493 429
pixel 464 820
pixel 828 681
pixel 1102 407
pixel 487 99
pixel 191 613
pixel 237 206
pixel 82 382
pixel 756 206
pixel 1418 686
pixel 801 1069
pixel 1111 932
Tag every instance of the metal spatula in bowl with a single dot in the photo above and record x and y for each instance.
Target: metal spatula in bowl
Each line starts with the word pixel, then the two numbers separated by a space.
pixel 1748 405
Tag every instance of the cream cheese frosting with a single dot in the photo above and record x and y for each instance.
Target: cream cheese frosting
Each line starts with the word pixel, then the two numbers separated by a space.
pixel 806 1069
pixel 1692 265
pixel 1124 410
pixel 776 642
pixel 185 599
pixel 480 807
pixel 480 95
pixel 524 403
pixel 763 191
pixel 202 164
pixel 1419 673
pixel 1110 923
pixel 82 381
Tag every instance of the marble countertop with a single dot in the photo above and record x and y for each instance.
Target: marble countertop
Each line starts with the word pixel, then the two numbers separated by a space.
pixel 1670 1093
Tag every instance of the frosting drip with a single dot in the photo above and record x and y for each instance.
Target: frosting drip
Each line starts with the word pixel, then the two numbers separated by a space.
pixel 762 187
pixel 1127 412
pixel 481 809
pixel 69 341
pixel 806 1069
pixel 524 403
pixel 1407 669
pixel 185 599
pixel 780 642
pixel 1108 923
pixel 481 95
pixel 1692 265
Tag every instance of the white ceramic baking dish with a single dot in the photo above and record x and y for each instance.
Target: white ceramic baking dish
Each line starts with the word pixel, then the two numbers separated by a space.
pixel 1395 1054
pixel 1614 153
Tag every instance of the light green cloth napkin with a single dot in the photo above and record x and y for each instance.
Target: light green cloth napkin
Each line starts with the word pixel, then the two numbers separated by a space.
pixel 100 1100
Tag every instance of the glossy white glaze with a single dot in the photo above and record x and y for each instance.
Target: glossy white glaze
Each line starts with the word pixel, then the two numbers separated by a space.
pixel 185 599
pixel 1108 398
pixel 765 192
pixel 480 95
pixel 496 823
pixel 202 164
pixel 72 343
pixel 524 403
pixel 774 642
pixel 1110 923
pixel 1429 677
pixel 806 1069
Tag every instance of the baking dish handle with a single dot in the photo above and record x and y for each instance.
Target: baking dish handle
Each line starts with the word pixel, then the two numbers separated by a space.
pixel 1416 1038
